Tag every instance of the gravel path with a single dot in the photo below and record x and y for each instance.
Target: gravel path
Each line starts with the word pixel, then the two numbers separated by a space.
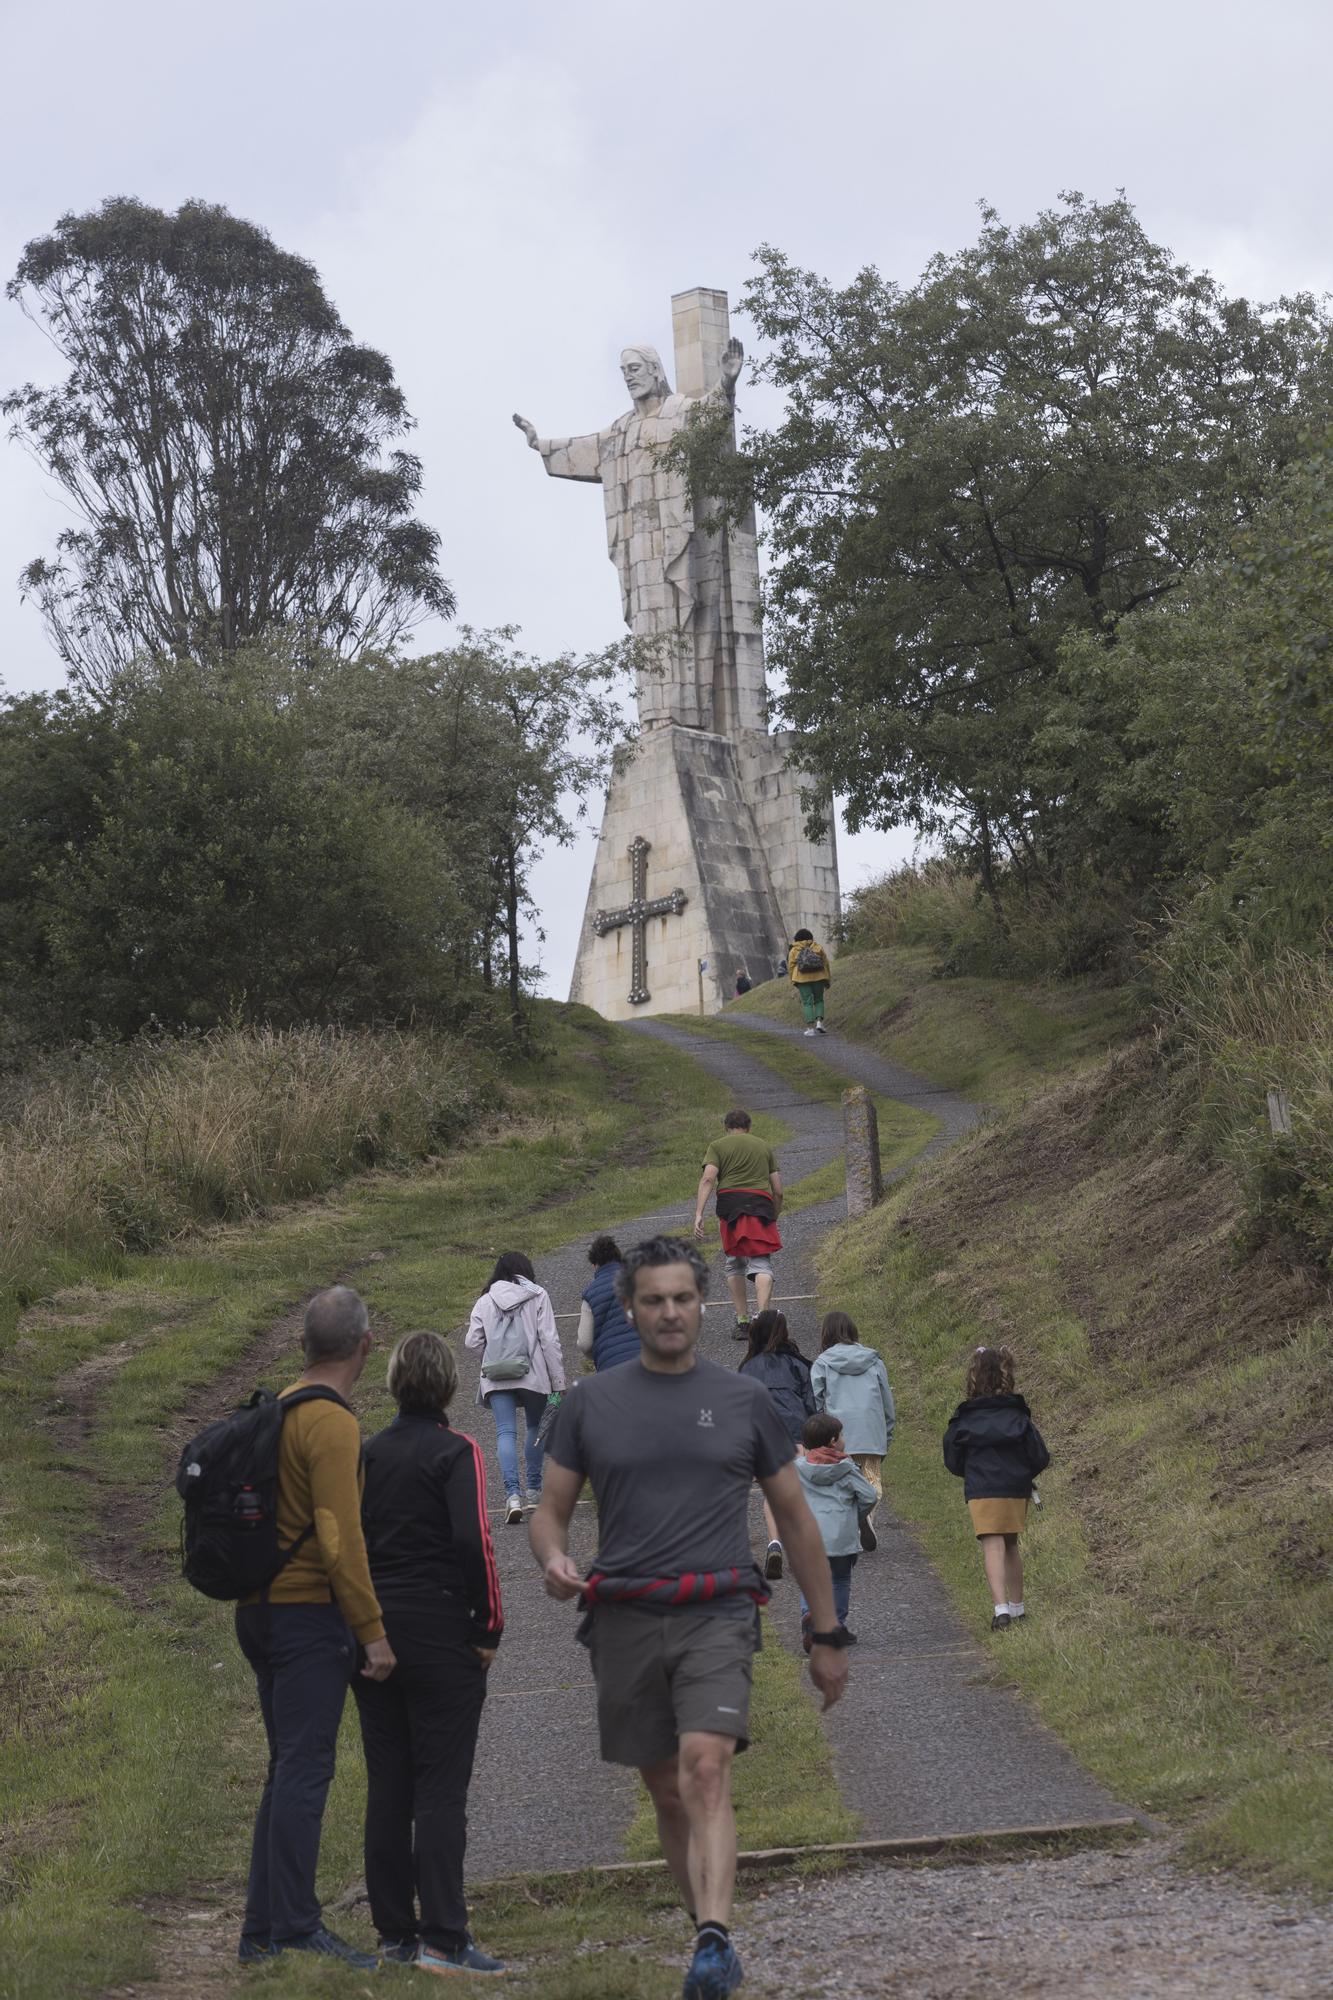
pixel 921 1694
pixel 1103 1925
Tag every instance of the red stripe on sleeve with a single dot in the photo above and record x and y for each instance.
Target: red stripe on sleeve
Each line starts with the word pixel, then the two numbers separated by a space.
pixel 494 1604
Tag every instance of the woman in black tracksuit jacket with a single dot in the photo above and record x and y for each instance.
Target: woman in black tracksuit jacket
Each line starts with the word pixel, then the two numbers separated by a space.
pixel 434 1571
pixel 995 1448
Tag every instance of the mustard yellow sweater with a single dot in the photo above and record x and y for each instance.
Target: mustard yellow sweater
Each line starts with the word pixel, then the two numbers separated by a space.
pixel 320 1479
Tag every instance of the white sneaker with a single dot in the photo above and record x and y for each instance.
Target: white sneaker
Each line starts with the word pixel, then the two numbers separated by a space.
pixel 513 1510
pixel 809 1031
pixel 819 1027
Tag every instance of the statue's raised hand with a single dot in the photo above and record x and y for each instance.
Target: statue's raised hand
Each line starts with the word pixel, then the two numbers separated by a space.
pixel 732 356
pixel 529 430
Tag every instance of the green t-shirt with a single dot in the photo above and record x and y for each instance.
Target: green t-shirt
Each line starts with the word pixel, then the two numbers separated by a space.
pixel 742 1161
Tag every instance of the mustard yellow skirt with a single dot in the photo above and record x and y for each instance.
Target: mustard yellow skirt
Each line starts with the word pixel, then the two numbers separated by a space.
pixel 997 1517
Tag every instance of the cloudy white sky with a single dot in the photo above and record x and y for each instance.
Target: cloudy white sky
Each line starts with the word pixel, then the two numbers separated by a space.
pixel 501 195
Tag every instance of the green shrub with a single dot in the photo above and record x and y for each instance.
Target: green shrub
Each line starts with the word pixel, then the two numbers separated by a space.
pixel 1254 1022
pixel 1022 932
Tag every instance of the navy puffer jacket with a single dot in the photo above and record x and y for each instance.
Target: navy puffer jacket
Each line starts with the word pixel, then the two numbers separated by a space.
pixel 613 1337
pixel 994 1447
pixel 786 1376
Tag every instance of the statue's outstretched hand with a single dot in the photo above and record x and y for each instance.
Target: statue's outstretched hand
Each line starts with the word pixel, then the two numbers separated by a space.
pixel 529 430
pixel 732 356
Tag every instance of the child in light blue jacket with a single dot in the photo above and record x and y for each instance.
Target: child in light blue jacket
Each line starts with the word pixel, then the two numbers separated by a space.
pixel 837 1495
pixel 852 1384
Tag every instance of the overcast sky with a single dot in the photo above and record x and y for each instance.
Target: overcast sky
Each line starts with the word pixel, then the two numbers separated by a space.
pixel 503 195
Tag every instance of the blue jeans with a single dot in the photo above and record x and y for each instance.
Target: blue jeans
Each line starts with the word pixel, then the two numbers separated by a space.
pixel 504 1408
pixel 842 1567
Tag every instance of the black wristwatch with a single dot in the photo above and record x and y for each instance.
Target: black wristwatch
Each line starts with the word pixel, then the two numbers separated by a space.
pixel 837 1638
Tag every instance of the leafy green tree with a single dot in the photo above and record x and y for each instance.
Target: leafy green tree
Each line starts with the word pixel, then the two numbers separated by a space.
pixel 530 741
pixel 1044 436
pixel 225 441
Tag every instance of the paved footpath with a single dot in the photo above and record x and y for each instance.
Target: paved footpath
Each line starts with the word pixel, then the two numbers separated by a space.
pixel 920 1697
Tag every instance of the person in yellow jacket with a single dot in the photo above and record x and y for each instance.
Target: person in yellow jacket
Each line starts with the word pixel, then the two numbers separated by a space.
pixel 808 970
pixel 303 1634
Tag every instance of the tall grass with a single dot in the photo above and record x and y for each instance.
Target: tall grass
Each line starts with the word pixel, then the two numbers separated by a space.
pixel 1026 931
pixel 1251 1024
pixel 124 1148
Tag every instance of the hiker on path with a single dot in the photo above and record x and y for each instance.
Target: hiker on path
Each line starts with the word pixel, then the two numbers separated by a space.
pixel 743 981
pixel 672 1445
pixel 808 971
pixel 774 1359
pixel 606 1333
pixel 851 1382
pixel 743 1172
pixel 838 1496
pixel 304 1634
pixel 521 1366
pixel 994 1447
pixel 433 1567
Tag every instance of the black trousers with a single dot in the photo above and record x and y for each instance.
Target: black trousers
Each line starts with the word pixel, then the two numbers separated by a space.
pixel 420 1733
pixel 302 1655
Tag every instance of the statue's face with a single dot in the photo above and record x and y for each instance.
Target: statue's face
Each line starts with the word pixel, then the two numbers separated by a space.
pixel 640 379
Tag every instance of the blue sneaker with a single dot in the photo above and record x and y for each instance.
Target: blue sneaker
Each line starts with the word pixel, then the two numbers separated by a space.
pixel 715 1971
pixel 254 1950
pixel 469 1959
pixel 327 1945
pixel 400 1951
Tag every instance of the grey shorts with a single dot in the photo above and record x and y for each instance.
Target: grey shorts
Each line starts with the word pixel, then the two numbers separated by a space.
pixel 661 1673
pixel 749 1267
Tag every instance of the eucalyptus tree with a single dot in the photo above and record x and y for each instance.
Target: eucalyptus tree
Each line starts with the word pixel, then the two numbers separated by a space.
pixel 231 453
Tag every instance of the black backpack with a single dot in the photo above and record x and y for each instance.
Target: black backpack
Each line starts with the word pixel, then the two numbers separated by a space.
pixel 228 1479
pixel 811 959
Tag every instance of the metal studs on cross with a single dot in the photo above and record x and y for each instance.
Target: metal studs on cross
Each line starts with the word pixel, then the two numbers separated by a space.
pixel 636 914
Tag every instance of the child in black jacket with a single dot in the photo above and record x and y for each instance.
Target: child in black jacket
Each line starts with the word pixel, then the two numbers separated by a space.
pixel 994 1447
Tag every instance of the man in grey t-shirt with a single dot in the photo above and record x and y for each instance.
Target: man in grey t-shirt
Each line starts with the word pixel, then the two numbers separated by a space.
pixel 672 1445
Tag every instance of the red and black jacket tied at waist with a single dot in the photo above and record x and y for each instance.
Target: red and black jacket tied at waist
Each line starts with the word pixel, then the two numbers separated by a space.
pixel 669 1593
pixel 749 1222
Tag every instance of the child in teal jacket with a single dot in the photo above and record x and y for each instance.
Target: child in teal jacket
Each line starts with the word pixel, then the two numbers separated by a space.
pixel 837 1495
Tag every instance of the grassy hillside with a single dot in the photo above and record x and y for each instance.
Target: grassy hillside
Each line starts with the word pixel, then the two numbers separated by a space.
pixel 130 1748
pixel 1182 1614
pixel 990 1039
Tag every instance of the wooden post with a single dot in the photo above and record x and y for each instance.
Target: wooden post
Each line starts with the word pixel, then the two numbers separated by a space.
pixel 1279 1114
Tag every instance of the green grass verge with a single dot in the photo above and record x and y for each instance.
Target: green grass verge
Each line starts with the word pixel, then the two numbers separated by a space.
pixel 990 1039
pixel 129 1745
pixel 1182 1665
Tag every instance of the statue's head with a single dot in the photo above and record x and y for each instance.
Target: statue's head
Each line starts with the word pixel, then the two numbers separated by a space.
pixel 643 372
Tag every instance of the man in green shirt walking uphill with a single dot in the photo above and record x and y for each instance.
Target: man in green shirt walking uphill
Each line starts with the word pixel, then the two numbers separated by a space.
pixel 744 1173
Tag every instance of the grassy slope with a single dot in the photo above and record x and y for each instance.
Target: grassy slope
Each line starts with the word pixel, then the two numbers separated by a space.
pixel 1179 1574
pixel 131 1752
pixel 985 1038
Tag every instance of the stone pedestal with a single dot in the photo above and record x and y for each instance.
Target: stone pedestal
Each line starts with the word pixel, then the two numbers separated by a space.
pixel 723 826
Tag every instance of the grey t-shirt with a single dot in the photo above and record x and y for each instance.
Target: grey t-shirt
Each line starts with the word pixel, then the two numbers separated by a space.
pixel 671 1460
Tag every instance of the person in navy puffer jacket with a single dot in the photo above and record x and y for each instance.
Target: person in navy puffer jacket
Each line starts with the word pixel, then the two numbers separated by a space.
pixel 774 1359
pixel 606 1333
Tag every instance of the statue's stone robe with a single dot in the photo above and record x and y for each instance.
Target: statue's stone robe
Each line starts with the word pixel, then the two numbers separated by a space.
pixel 670 572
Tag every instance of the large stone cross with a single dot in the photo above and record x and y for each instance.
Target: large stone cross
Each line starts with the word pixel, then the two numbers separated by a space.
pixel 636 914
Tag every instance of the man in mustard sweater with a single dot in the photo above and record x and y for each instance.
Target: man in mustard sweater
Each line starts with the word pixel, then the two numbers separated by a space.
pixel 301 1636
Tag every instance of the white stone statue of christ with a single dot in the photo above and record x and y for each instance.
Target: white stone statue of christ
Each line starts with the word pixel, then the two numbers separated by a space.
pixel 672 573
